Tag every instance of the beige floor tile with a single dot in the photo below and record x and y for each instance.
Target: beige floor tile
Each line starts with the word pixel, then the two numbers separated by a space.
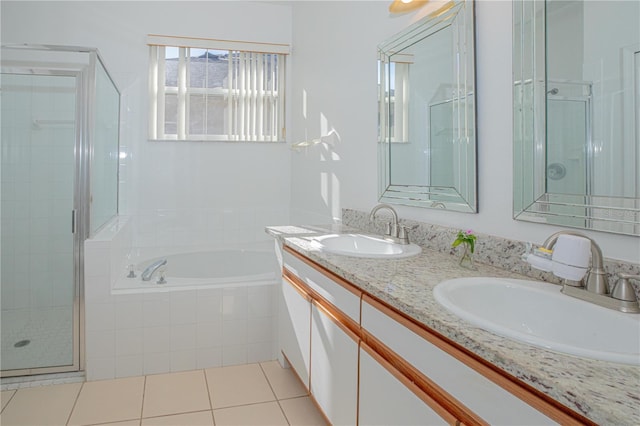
pixel 266 414
pixel 283 381
pixel 238 385
pixel 5 397
pixel 109 401
pixel 302 411
pixel 125 423
pixel 201 418
pixel 53 403
pixel 175 393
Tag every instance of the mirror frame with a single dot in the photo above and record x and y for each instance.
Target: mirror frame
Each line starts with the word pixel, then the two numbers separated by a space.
pixel 462 14
pixel 531 201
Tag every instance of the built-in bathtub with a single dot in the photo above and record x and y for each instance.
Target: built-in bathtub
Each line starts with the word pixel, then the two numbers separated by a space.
pixel 218 307
pixel 202 269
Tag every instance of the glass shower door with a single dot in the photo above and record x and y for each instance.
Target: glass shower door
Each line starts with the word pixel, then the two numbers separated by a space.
pixel 38 273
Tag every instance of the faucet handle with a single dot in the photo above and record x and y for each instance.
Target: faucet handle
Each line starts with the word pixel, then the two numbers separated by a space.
pixel 388 228
pixel 623 289
pixel 132 273
pixel 403 234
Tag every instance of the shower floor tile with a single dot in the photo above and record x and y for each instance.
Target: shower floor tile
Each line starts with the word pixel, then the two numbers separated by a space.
pixel 49 335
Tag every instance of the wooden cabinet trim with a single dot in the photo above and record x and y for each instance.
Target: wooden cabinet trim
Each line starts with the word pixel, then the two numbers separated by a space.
pixel 339 280
pixel 345 323
pixel 523 391
pixel 343 320
pixel 414 387
pixel 296 284
pixel 438 399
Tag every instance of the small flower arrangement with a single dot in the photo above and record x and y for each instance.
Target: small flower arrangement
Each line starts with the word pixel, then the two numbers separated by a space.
pixel 465 237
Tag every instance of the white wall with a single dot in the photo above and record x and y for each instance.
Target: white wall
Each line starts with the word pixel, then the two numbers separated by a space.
pixel 236 188
pixel 333 88
pixel 336 75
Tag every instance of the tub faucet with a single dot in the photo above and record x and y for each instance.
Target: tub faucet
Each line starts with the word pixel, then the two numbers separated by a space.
pixel 148 272
pixel 397 233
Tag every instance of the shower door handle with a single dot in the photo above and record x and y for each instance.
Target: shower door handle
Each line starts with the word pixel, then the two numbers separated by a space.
pixel 73 220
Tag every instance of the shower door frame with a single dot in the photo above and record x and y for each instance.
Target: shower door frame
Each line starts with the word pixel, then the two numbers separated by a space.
pixel 79 220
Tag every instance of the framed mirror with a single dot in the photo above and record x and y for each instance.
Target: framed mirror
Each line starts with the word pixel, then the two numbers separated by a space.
pixel 576 96
pixel 427 112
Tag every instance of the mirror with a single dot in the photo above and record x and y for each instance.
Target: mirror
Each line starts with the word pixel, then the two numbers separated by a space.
pixel 427 114
pixel 576 72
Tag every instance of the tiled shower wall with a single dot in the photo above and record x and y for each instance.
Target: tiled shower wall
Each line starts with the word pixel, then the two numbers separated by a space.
pixel 38 139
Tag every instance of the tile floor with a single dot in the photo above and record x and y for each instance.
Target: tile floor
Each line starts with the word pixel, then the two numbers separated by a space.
pixel 254 394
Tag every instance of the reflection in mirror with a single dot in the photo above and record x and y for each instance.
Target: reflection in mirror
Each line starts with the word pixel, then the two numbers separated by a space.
pixel 427 149
pixel 576 106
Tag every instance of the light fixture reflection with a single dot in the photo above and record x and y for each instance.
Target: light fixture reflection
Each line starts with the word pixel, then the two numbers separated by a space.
pixel 404 6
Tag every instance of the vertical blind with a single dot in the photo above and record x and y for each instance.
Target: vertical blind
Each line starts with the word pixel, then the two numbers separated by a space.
pixel 204 89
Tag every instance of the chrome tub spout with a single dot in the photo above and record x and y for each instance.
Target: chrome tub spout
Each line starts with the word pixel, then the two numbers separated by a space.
pixel 148 272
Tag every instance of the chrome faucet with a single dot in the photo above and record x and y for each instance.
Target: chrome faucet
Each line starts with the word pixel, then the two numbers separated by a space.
pixel 397 233
pixel 148 272
pixel 596 280
pixel 596 285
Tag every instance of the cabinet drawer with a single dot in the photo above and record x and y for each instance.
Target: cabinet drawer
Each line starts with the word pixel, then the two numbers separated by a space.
pixel 482 396
pixel 343 296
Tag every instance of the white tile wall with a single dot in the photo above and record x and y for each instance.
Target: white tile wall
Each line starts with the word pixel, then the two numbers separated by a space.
pixel 197 227
pixel 132 334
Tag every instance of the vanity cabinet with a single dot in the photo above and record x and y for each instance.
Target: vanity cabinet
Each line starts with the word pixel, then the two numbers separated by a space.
pixel 294 330
pixel 366 363
pixel 468 394
pixel 334 367
pixel 326 329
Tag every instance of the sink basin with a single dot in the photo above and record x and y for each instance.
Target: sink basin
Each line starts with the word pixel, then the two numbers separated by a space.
pixel 538 313
pixel 362 245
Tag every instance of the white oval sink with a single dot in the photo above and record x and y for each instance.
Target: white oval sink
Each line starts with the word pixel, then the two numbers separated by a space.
pixel 538 313
pixel 361 245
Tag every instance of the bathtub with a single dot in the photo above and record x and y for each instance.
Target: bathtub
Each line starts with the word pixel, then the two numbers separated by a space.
pixel 203 269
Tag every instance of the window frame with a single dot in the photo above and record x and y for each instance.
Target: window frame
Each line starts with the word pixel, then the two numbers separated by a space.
pixel 250 103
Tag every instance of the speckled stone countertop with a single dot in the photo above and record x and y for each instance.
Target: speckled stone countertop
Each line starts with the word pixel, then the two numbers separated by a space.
pixel 607 393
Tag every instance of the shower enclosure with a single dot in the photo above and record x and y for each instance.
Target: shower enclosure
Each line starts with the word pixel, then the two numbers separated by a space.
pixel 569 148
pixel 59 178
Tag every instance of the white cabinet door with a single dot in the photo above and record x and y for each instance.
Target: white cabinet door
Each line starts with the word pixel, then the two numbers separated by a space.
pixel 481 396
pixel 334 368
pixel 295 329
pixel 385 400
pixel 344 297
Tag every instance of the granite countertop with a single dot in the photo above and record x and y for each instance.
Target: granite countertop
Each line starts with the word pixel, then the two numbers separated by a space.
pixel 607 393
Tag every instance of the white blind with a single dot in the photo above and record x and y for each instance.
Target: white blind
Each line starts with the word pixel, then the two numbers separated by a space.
pixel 206 91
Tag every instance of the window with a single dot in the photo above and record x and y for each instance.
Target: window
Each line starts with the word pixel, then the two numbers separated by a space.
pixel 203 89
pixel 393 97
